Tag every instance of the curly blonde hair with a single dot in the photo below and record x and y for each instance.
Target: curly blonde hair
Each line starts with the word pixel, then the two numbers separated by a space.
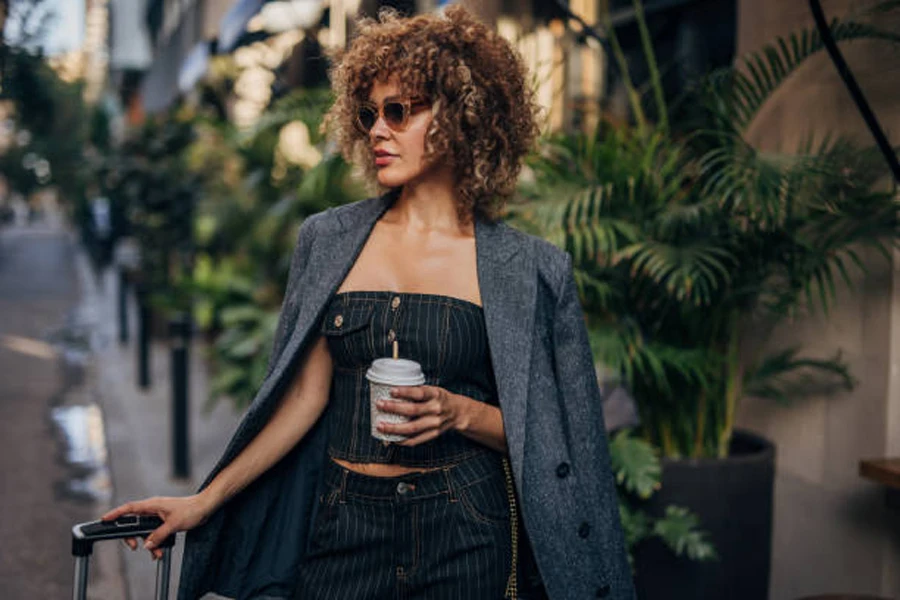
pixel 485 118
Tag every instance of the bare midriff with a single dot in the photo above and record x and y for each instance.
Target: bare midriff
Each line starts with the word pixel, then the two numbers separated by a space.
pixel 380 469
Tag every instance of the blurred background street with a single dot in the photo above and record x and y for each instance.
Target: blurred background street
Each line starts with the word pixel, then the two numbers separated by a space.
pixel 723 174
pixel 42 371
pixel 37 290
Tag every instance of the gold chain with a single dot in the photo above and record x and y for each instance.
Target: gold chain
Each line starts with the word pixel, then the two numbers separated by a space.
pixel 512 583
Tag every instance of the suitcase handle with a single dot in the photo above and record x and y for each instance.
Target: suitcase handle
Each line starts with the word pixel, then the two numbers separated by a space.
pixel 85 534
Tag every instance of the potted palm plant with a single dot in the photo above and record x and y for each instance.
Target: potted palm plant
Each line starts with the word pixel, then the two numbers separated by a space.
pixel 689 250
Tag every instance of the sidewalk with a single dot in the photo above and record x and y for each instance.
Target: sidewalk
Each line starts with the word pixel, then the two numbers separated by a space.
pixel 138 422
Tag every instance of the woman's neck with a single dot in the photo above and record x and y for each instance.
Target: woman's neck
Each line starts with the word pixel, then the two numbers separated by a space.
pixel 428 205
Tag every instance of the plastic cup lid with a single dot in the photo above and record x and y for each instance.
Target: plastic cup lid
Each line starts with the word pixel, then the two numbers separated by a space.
pixel 395 371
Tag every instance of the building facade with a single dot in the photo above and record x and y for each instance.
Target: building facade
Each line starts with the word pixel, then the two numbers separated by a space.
pixel 179 31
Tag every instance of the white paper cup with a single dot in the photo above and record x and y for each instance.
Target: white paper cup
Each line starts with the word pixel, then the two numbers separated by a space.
pixel 383 374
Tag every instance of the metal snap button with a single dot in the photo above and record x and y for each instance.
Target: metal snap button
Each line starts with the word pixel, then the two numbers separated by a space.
pixel 584 530
pixel 339 320
pixel 402 487
pixel 391 335
pixel 395 302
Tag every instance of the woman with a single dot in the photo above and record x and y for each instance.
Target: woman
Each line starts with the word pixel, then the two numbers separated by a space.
pixel 502 487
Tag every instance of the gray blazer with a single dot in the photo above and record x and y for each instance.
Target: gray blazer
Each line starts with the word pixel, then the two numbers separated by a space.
pixel 548 392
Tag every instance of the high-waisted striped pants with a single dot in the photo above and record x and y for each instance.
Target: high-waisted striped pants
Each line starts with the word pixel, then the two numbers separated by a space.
pixel 443 534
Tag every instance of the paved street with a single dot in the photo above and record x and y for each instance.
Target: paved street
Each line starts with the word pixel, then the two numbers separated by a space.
pixel 38 501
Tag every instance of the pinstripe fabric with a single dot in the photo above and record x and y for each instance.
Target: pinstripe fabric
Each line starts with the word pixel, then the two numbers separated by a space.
pixel 443 534
pixel 446 335
pixel 438 535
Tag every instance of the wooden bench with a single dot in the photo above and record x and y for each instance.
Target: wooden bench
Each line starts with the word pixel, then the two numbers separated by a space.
pixel 885 471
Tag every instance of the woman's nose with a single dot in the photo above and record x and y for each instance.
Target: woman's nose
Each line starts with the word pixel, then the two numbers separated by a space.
pixel 380 130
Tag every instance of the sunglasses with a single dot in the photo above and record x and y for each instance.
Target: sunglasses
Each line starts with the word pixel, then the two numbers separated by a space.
pixel 395 113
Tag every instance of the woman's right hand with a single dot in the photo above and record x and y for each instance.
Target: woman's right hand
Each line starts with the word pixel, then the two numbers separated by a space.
pixel 177 514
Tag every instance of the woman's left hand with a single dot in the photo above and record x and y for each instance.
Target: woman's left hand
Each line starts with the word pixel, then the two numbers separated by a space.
pixel 432 410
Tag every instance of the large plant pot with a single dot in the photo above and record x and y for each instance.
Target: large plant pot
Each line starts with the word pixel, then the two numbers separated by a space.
pixel 733 499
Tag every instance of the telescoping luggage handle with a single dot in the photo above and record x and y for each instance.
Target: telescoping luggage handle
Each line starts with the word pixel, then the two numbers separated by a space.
pixel 85 534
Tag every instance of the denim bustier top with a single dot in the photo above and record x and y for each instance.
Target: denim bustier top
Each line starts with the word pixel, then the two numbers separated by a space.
pixel 446 335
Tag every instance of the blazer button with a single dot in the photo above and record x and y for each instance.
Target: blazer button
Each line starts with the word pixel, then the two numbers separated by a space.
pixel 603 592
pixel 584 530
pixel 339 320
pixel 562 471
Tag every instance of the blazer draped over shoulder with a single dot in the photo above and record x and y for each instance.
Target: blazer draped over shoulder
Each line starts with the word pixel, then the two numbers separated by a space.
pixel 253 545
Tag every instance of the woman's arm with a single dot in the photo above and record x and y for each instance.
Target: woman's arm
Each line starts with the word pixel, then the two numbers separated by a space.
pixel 435 410
pixel 297 411
pixel 481 422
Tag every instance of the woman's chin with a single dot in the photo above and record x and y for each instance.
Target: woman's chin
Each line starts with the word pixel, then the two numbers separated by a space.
pixel 391 180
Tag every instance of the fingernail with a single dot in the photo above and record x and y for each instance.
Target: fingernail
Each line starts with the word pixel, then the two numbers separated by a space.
pixel 148 544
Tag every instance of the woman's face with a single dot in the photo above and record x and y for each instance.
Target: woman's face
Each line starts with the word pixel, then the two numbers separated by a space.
pixel 399 154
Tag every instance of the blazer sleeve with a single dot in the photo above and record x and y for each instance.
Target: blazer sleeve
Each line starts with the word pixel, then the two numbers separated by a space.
pixel 581 399
pixel 574 364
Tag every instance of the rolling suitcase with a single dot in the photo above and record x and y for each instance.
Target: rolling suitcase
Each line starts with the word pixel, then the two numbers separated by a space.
pixel 85 534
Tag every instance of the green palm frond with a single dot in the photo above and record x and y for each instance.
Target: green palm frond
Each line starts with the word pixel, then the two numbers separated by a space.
pixel 832 241
pixel 604 293
pixel 692 272
pixel 607 155
pixel 876 10
pixel 647 363
pixel 770 190
pixel 742 91
pixel 740 177
pixel 599 185
pixel 784 376
pixel 688 216
pixel 586 223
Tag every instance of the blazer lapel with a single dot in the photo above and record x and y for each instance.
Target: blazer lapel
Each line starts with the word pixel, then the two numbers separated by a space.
pixel 506 278
pixel 508 282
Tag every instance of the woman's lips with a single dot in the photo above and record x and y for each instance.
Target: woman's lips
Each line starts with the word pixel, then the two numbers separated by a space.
pixel 382 160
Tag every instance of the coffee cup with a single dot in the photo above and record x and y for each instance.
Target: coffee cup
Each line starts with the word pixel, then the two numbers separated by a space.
pixel 383 374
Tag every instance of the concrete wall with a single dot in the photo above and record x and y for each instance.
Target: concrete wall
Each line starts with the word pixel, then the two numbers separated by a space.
pixel 833 532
